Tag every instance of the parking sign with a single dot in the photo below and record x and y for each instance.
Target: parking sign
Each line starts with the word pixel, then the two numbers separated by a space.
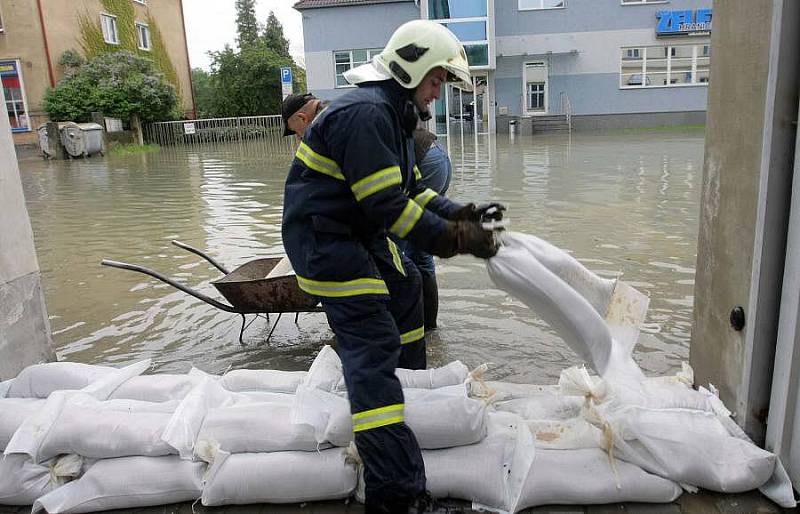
pixel 286 81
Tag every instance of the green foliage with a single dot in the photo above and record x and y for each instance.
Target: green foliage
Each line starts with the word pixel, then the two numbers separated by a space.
pixel 273 36
pixel 92 43
pixel 133 149
pixel 247 82
pixel 117 85
pixel 246 24
pixel 71 61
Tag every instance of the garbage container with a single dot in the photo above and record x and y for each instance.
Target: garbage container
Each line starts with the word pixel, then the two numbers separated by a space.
pixel 82 139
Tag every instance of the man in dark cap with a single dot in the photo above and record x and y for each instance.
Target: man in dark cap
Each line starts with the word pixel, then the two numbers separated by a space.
pixel 298 111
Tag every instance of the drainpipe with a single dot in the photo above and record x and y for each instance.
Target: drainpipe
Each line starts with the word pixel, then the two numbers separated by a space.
pixel 46 46
pixel 188 63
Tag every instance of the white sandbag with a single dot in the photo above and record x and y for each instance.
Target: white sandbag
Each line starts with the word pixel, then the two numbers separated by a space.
pixel 13 412
pixel 279 477
pixel 325 372
pixel 184 427
pixel 30 435
pixel 107 429
pixel 547 404
pixel 4 387
pixel 439 418
pixel 451 374
pixel 127 482
pixel 254 428
pixel 39 380
pixel 240 380
pixel 490 473
pixel 22 481
pixel 568 434
pixel 155 388
pixel 582 477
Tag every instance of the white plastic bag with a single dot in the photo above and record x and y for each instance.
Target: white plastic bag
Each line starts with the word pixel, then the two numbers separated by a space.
pixel 279 477
pixel 39 380
pixel 127 482
pixel 581 477
pixel 325 372
pixel 13 412
pixel 155 388
pixel 451 374
pixel 22 481
pixel 240 380
pixel 490 473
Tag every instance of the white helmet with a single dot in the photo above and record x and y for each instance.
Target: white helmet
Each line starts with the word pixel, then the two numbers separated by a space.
pixel 415 48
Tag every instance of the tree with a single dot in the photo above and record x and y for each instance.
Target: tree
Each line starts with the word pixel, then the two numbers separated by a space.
pixel 204 92
pixel 246 24
pixel 116 84
pixel 274 37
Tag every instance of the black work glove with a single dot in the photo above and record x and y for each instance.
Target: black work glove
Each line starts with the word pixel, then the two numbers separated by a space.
pixel 480 213
pixel 466 237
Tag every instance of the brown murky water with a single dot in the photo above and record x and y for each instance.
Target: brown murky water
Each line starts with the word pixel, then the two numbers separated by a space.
pixel 620 202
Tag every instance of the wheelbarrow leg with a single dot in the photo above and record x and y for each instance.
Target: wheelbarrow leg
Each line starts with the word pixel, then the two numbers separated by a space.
pixel 296 317
pixel 241 332
pixel 274 326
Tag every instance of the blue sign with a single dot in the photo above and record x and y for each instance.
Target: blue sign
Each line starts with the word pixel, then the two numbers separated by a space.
pixel 286 75
pixel 684 23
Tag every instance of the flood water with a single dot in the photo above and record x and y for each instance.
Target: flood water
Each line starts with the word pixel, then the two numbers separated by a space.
pixel 620 202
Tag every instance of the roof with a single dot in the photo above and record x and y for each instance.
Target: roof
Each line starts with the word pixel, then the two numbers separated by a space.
pixel 316 4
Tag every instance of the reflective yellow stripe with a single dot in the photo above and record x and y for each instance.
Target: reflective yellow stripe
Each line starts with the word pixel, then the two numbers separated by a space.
pixel 379 417
pixel 332 289
pixel 376 182
pixel 407 219
pixel 412 335
pixel 318 162
pixel 398 262
pixel 417 173
pixel 424 197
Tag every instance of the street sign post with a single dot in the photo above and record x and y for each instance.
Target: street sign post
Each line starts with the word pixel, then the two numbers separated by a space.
pixel 286 82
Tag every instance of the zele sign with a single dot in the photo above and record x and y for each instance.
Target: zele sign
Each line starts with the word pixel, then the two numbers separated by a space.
pixel 684 23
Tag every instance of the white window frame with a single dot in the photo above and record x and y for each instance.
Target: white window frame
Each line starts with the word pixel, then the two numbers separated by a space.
pixel 662 54
pixel 371 52
pixel 140 2
pixel 2 27
pixel 545 63
pixel 541 2
pixel 25 106
pixel 113 23
pixel 643 2
pixel 149 41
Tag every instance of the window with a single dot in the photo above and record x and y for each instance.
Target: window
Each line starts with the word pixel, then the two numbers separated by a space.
pixel 536 96
pixel 640 2
pixel 16 103
pixel 143 2
pixel 1 23
pixel 348 59
pixel 660 66
pixel 451 9
pixel 143 35
pixel 531 5
pixel 109 25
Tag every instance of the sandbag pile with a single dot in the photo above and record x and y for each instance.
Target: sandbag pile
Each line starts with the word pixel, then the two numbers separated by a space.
pixel 80 438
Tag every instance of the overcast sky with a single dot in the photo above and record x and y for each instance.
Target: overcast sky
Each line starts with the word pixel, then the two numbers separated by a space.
pixel 211 24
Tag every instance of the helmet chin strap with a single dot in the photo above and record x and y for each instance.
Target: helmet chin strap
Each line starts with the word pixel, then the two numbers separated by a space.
pixel 425 115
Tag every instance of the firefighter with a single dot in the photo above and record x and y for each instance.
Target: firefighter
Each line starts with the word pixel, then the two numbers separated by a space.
pixel 352 183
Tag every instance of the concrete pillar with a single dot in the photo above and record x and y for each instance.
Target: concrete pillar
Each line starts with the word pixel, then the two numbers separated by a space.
pixel 57 150
pixel 747 173
pixel 24 329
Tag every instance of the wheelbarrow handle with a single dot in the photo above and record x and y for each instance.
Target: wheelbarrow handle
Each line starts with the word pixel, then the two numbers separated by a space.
pixel 170 281
pixel 201 254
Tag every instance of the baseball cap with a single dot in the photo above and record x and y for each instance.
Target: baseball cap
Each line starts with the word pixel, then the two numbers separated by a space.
pixel 291 104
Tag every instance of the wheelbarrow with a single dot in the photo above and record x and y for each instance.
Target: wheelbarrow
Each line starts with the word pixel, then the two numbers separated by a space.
pixel 247 288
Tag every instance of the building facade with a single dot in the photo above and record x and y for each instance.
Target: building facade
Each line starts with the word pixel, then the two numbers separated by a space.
pixel 608 63
pixel 35 33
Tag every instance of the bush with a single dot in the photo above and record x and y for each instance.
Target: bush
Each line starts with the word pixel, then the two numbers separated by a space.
pixel 119 85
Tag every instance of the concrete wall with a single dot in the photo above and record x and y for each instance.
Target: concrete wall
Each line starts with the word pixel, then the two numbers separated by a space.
pixel 24 329
pixel 346 28
pixel 745 201
pixel 23 39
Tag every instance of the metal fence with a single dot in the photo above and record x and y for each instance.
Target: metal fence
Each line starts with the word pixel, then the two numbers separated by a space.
pixel 266 130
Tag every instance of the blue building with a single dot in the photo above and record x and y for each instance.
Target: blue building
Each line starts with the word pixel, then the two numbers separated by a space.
pixel 606 63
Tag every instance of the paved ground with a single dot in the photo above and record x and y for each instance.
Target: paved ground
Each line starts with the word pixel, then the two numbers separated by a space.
pixel 701 503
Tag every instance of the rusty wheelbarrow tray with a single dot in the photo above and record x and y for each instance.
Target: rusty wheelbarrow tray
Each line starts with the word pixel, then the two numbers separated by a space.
pixel 247 288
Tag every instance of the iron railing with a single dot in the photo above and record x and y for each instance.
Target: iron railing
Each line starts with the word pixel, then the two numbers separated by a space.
pixel 265 129
pixel 566 108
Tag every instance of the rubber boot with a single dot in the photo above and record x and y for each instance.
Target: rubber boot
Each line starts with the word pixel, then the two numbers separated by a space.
pixel 430 301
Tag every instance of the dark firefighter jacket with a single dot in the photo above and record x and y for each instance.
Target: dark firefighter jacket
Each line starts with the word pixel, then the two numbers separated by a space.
pixel 353 182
